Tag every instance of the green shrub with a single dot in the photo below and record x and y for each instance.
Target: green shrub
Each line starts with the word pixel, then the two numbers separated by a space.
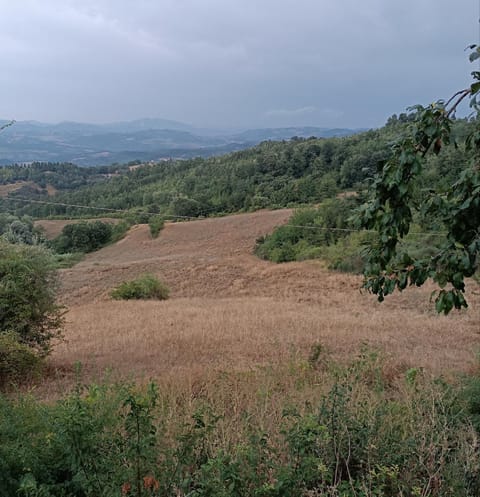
pixel 184 206
pixel 156 224
pixel 83 237
pixel 27 296
pixel 310 233
pixel 137 216
pixel 119 230
pixel 146 286
pixel 20 230
pixel 327 233
pixel 17 360
pixel 347 254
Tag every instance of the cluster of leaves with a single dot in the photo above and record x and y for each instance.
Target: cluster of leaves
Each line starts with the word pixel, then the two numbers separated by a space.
pixel 363 436
pixel 156 224
pixel 146 286
pixel 18 361
pixel 397 196
pixel 16 230
pixel 30 318
pixel 27 295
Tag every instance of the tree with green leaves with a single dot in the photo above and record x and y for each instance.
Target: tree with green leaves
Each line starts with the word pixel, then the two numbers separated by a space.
pixel 83 237
pixel 399 197
pixel 28 308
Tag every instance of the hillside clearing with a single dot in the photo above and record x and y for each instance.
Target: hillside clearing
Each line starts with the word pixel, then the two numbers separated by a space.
pixel 230 310
pixel 8 188
pixel 53 227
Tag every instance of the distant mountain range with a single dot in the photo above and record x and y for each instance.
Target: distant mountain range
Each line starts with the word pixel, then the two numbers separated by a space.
pixel 143 139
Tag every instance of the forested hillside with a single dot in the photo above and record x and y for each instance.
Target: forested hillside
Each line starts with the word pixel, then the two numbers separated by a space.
pixel 272 174
pixel 143 139
pixel 60 175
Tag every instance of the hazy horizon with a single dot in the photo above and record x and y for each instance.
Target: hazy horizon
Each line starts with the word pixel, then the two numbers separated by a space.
pixel 173 121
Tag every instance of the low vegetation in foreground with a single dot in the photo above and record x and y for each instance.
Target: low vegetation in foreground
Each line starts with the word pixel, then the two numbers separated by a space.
pixel 308 428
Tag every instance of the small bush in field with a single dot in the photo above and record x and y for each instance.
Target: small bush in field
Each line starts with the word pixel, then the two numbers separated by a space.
pixel 145 287
pixel 156 224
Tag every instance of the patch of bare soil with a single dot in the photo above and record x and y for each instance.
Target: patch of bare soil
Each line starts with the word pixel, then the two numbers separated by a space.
pixel 51 190
pixel 210 257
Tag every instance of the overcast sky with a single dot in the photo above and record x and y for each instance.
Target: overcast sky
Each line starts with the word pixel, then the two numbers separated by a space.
pixel 231 63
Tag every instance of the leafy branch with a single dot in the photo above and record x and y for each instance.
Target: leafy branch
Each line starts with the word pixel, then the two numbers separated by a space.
pixel 395 196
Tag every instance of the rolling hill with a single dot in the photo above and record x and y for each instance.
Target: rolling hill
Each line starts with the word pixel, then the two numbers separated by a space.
pixel 229 309
pixel 144 139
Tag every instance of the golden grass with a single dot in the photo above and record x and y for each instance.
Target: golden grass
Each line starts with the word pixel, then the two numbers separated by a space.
pixel 190 337
pixel 230 311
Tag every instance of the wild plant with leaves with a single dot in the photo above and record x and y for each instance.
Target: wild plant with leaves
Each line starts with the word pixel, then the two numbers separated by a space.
pixel 397 199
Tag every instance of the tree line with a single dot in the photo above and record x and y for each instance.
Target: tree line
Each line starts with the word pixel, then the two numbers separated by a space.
pixel 269 175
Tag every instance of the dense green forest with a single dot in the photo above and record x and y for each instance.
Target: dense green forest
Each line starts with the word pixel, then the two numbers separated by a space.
pixel 271 175
pixel 61 176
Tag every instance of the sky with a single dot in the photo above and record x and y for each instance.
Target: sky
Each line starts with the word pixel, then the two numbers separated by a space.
pixel 231 63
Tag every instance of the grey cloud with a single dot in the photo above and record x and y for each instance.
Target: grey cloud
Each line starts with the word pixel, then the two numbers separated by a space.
pixel 231 62
pixel 290 112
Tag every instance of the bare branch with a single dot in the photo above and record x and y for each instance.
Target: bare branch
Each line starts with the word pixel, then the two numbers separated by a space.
pixel 463 94
pixel 7 125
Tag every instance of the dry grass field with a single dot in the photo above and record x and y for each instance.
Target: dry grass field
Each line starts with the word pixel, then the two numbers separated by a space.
pixel 53 228
pixel 5 190
pixel 230 311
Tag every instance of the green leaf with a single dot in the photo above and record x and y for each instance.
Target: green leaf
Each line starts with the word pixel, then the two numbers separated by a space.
pixel 475 87
pixel 439 303
pixel 402 280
